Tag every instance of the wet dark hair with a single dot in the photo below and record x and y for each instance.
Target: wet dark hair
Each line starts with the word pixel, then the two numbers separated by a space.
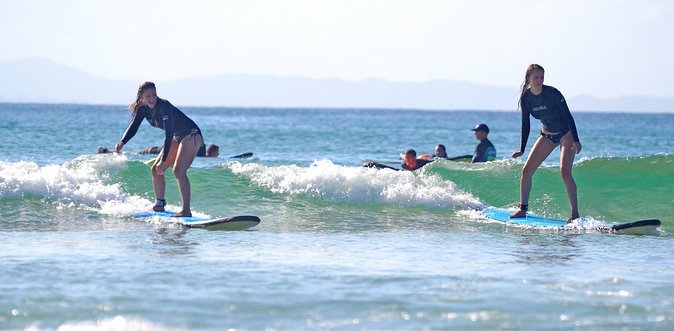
pixel 443 150
pixel 143 86
pixel 211 149
pixel 525 84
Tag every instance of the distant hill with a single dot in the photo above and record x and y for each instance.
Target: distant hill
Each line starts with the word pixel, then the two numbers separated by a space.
pixel 37 80
pixel 43 81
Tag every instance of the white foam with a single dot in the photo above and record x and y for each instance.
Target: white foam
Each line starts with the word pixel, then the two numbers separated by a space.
pixel 358 184
pixel 80 182
pixel 73 182
pixel 118 323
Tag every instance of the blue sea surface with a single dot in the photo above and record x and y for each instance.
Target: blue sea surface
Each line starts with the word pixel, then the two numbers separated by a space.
pixel 340 246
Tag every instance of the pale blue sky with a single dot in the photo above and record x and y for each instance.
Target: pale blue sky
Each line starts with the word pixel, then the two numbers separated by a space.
pixel 604 48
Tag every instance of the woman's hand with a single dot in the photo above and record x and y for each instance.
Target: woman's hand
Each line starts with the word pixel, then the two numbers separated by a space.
pixel 517 154
pixel 159 166
pixel 119 146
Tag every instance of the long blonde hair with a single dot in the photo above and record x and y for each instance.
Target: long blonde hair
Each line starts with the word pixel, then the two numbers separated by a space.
pixel 143 86
pixel 525 84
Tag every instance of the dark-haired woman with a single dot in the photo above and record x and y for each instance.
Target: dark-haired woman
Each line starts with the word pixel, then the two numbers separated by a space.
pixel 181 143
pixel 546 104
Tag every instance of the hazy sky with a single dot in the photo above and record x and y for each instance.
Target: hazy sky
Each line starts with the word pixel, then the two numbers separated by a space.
pixel 604 48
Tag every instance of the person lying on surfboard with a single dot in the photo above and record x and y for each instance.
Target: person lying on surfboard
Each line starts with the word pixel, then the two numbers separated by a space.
pixel 440 152
pixel 546 104
pixel 410 161
pixel 181 143
pixel 211 150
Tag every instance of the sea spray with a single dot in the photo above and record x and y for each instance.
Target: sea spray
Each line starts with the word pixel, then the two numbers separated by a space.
pixel 86 182
pixel 70 183
pixel 325 180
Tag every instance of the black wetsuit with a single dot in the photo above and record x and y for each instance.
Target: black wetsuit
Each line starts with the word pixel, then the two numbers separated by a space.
pixel 420 163
pixel 485 151
pixel 165 116
pixel 550 108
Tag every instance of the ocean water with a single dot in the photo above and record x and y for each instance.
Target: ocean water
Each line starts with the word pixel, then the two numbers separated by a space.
pixel 340 247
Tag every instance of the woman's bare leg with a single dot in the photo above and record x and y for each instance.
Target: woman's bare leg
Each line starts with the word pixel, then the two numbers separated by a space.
pixel 159 181
pixel 187 151
pixel 541 150
pixel 567 154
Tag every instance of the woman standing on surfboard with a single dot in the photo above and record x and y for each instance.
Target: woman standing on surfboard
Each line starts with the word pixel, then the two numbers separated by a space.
pixel 546 104
pixel 181 144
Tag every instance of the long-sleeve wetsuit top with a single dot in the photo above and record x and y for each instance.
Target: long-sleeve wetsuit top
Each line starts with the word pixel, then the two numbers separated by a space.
pixel 164 116
pixel 484 151
pixel 550 108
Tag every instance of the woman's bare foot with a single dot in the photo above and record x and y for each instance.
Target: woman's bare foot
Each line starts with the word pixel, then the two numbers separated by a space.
pixel 573 218
pixel 182 213
pixel 519 214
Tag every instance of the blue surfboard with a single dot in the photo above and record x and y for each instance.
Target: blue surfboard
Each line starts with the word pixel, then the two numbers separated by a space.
pixel 234 223
pixel 503 215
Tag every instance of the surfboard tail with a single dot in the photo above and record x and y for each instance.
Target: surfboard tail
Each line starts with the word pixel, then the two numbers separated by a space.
pixel 235 223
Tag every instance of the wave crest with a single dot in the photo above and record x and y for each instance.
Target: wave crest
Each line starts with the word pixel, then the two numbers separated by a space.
pixel 325 180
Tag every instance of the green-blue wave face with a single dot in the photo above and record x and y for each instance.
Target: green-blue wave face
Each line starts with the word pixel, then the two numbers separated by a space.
pixel 615 189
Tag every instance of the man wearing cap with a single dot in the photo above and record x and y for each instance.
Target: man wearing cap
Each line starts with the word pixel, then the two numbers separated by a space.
pixel 485 150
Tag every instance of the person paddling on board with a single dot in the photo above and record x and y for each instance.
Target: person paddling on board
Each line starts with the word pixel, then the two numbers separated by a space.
pixel 181 143
pixel 152 150
pixel 440 152
pixel 410 161
pixel 485 150
pixel 210 150
pixel 546 104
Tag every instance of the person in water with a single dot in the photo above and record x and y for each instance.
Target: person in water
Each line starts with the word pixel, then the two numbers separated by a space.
pixel 181 143
pixel 485 150
pixel 210 150
pixel 546 104
pixel 151 150
pixel 410 161
pixel 440 152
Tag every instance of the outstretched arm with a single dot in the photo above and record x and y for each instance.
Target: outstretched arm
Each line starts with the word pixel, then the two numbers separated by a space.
pixel 525 130
pixel 131 130
pixel 572 125
pixel 569 119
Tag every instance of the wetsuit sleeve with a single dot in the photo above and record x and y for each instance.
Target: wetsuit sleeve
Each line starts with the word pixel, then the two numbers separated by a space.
pixel 569 119
pixel 421 163
pixel 526 128
pixel 132 129
pixel 169 127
